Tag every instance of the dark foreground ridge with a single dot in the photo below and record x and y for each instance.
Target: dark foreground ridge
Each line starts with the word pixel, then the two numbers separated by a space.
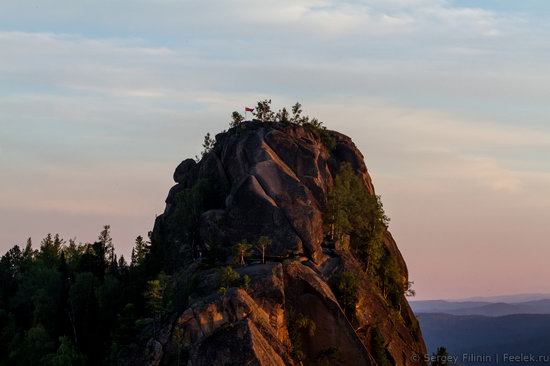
pixel 269 269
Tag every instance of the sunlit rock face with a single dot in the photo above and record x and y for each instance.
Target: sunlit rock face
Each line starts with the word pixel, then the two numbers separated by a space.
pixel 273 179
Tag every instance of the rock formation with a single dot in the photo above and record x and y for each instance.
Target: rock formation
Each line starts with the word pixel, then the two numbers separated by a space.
pixel 271 179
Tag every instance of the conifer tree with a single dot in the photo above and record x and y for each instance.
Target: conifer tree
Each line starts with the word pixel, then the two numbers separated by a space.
pixel 263 111
pixel 242 251
pixel 236 119
pixel 263 243
pixel 106 241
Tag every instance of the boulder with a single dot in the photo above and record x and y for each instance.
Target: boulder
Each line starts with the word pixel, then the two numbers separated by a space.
pixel 186 172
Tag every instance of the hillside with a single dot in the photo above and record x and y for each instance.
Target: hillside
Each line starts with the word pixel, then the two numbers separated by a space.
pixel 525 334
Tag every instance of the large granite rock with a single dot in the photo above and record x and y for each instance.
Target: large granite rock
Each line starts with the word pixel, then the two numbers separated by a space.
pixel 272 180
pixel 277 176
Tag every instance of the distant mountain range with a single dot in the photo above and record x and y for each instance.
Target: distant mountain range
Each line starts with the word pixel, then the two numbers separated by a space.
pixel 510 299
pixel 487 331
pixel 481 308
pixel 490 339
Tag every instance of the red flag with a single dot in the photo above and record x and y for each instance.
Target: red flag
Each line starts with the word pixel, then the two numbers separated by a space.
pixel 247 109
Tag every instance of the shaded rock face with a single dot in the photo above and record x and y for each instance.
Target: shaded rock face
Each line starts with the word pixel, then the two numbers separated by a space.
pixel 273 180
pixel 309 293
pixel 278 176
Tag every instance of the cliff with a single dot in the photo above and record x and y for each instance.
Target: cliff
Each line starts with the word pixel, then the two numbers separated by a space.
pixel 272 180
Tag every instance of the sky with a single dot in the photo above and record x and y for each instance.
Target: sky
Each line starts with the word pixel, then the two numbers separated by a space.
pixel 447 100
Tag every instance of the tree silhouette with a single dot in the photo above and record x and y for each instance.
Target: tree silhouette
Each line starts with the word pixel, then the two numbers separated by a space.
pixel 242 251
pixel 236 119
pixel 263 243
pixel 263 111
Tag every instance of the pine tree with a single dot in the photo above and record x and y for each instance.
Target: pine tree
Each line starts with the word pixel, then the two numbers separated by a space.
pixel 207 144
pixel 263 111
pixel 440 357
pixel 155 295
pixel 236 119
pixel 347 291
pixel 283 116
pixel 107 242
pixel 378 348
pixel 50 248
pixel 242 251
pixel 296 113
pixel 140 250
pixel 28 253
pixel 352 210
pixel 263 243
pixel 67 354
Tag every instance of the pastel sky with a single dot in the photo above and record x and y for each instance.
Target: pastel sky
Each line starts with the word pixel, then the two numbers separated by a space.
pixel 448 100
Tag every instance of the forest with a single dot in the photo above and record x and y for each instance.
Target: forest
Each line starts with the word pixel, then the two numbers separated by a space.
pixel 68 303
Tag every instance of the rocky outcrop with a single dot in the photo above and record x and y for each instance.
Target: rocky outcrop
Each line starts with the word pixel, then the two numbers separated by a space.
pixel 308 292
pixel 229 327
pixel 273 179
pixel 277 176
